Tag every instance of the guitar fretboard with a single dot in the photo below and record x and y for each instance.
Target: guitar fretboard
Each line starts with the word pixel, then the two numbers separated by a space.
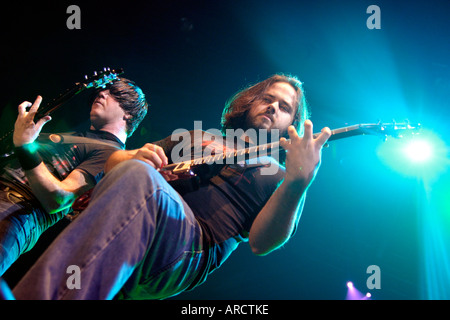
pixel 255 151
pixel 268 148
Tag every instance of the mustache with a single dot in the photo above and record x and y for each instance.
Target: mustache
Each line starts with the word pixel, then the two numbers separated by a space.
pixel 268 115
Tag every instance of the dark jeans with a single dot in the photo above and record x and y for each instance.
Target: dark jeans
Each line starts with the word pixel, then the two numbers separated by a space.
pixel 21 224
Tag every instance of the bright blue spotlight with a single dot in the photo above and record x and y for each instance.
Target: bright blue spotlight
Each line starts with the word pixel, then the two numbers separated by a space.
pixel 419 150
pixel 424 155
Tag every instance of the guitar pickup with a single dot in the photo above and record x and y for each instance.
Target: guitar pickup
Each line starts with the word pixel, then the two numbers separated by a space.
pixel 182 167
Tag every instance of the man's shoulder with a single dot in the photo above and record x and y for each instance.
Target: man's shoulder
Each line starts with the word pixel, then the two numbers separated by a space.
pixel 98 138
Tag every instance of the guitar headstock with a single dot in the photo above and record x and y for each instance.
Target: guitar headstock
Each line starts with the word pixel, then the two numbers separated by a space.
pixel 393 129
pixel 97 80
pixel 102 78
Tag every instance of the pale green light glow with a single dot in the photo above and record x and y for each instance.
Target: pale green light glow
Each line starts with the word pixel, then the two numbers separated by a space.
pixel 423 156
pixel 419 150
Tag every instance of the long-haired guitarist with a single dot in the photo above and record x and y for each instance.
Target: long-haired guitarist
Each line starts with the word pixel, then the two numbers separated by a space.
pixel 45 175
pixel 151 243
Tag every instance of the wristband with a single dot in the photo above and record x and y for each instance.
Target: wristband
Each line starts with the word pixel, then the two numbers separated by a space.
pixel 28 156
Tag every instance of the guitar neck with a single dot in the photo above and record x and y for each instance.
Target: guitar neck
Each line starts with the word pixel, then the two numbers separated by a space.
pixel 58 102
pixel 53 105
pixel 336 134
pixel 98 80
pixel 263 149
pixel 346 132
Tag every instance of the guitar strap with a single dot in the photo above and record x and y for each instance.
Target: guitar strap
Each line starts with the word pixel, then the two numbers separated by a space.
pixel 70 139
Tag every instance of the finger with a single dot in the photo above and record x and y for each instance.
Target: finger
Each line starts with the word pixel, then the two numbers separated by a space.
pixel 34 108
pixel 293 134
pixel 162 155
pixel 308 131
pixel 159 151
pixel 284 143
pixel 23 107
pixel 42 122
pixel 323 136
pixel 149 157
pixel 154 160
pixel 149 146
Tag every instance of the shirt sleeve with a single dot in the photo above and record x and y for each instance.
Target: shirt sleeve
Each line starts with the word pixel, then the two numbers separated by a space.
pixel 95 160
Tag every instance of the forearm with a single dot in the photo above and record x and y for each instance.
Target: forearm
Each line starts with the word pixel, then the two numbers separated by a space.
pixel 276 221
pixel 53 194
pixel 48 190
pixel 117 157
pixel 152 154
pixel 274 224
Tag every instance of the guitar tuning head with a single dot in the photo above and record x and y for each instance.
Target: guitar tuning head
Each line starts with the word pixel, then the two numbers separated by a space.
pixel 417 128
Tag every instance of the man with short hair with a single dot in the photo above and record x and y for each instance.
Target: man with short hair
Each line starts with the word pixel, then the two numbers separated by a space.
pixel 38 187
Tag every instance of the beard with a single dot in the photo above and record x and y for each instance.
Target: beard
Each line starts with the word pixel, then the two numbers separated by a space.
pixel 264 126
pixel 259 123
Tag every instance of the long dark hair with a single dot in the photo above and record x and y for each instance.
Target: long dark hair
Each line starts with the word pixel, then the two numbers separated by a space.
pixel 236 109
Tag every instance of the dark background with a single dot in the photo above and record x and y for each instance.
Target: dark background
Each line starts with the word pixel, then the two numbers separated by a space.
pixel 190 56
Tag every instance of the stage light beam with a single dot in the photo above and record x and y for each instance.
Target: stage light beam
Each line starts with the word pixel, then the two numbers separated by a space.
pixel 423 156
pixel 355 294
pixel 419 150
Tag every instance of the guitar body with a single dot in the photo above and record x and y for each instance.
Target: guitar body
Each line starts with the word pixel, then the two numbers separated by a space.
pixel 183 183
pixel 190 179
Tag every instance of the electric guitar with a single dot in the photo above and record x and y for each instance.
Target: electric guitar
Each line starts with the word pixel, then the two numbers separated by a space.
pixel 97 80
pixel 187 176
